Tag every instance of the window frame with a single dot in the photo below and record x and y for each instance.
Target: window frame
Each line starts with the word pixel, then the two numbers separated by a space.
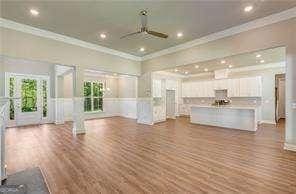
pixel 92 97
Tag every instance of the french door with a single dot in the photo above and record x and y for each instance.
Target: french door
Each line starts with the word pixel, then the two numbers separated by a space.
pixel 29 99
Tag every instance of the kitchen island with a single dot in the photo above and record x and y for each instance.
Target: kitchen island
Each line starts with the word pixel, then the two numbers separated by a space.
pixel 228 116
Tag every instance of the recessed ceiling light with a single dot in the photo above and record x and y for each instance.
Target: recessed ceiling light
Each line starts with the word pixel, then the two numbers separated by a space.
pixel 206 69
pixel 186 72
pixel 34 12
pixel 262 61
pixel 103 36
pixel 196 66
pixel 176 70
pixel 223 62
pixel 179 34
pixel 258 55
pixel 248 8
pixel 230 66
pixel 142 49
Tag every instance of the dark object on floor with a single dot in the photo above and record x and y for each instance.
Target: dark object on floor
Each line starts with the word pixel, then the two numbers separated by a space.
pixel 13 189
pixel 30 181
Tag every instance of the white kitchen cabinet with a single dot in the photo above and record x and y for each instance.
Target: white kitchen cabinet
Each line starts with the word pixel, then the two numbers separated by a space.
pixel 187 90
pixel 156 88
pixel 250 87
pixel 184 86
pixel 239 87
pixel 209 89
pixel 233 88
pixel 171 84
pixel 220 84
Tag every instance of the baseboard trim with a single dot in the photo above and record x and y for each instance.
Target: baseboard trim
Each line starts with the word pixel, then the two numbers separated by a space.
pixel 268 122
pixel 290 147
pixel 78 132
pixel 144 123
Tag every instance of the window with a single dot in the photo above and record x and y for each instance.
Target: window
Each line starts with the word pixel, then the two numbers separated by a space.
pixel 93 96
pixel 11 95
pixel 29 95
pixel 44 98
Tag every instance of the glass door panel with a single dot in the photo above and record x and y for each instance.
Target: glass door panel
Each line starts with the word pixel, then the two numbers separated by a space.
pixel 29 95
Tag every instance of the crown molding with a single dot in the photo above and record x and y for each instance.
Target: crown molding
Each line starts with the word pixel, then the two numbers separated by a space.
pixel 271 19
pixel 66 39
pixel 246 68
pixel 169 74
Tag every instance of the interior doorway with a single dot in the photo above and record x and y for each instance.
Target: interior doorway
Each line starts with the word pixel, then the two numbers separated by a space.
pixel 170 104
pixel 28 99
pixel 280 111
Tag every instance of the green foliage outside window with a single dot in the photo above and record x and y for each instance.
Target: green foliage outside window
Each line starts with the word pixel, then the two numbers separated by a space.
pixel 93 93
pixel 29 95
pixel 44 98
pixel 11 95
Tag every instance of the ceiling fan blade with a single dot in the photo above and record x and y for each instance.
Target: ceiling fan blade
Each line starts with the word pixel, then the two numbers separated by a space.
pixel 130 34
pixel 158 34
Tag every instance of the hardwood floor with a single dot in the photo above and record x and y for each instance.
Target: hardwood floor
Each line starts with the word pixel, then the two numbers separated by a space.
pixel 117 155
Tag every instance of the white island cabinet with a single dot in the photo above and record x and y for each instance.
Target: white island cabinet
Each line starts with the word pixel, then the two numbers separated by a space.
pixel 236 117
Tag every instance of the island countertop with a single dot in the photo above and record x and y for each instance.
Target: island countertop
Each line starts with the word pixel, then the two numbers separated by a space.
pixel 229 116
pixel 248 107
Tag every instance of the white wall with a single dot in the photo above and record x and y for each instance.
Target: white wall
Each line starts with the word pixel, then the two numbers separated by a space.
pixel 68 86
pixel 119 100
pixel 127 87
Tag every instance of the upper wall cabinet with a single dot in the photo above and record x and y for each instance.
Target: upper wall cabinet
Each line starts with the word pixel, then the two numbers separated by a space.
pixel 156 88
pixel 171 84
pixel 240 87
pixel 250 87
pixel 233 89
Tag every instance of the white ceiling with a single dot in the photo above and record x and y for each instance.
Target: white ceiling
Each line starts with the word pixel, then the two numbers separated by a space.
pixel 274 55
pixel 86 20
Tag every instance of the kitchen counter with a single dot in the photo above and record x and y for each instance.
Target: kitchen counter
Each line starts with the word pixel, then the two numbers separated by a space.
pixel 228 106
pixel 229 116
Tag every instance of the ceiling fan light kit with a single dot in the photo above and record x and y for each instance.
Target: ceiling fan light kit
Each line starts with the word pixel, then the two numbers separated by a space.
pixel 144 29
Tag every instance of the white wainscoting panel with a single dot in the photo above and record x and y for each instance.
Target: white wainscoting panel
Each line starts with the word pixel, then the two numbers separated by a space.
pixel 128 107
pixel 59 110
pixel 63 110
pixel 68 109
pixel 144 109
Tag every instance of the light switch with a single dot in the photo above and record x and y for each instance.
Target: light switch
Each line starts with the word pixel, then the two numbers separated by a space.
pixel 294 105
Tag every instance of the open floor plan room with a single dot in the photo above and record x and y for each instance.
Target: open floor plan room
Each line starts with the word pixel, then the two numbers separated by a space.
pixel 117 155
pixel 147 97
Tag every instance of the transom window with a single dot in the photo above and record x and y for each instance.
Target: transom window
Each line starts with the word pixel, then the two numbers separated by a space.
pixel 93 96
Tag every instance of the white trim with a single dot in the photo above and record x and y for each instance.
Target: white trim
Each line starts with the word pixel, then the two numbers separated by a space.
pixel 51 35
pixel 170 74
pixel 268 122
pixel 271 19
pixel 290 147
pixel 246 68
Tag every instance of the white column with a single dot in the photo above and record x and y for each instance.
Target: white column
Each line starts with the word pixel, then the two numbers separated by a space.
pixel 78 101
pixel 2 77
pixel 59 101
pixel 290 143
pixel 144 103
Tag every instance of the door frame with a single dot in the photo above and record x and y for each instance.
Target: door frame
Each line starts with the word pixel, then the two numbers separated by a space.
pixel 166 101
pixel 12 123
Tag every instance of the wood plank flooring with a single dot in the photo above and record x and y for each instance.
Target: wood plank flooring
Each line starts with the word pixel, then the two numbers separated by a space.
pixel 117 155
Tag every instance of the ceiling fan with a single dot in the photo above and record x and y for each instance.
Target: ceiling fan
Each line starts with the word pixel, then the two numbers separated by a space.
pixel 144 28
